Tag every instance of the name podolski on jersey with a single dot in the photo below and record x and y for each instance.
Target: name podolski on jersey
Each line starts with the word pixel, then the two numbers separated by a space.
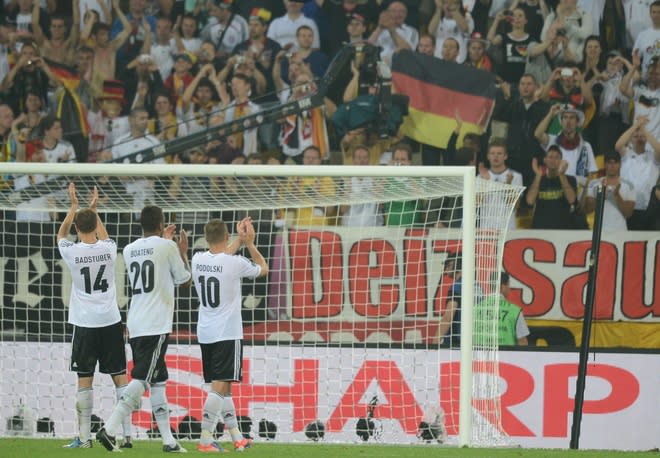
pixel 88 259
pixel 207 268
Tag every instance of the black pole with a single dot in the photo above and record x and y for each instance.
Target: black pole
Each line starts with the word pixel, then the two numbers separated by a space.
pixel 588 318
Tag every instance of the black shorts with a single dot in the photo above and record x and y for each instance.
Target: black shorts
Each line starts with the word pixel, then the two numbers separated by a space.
pixel 105 345
pixel 223 361
pixel 149 358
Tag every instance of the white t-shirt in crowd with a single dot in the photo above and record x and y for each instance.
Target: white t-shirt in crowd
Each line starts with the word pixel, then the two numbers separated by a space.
pixel 643 171
pixel 648 44
pixel 62 152
pixel 613 219
pixel 581 160
pixel 154 267
pixel 447 28
pixel 217 278
pixel 283 30
pixel 93 302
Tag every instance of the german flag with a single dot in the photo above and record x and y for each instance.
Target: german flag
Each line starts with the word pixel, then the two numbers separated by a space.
pixel 438 91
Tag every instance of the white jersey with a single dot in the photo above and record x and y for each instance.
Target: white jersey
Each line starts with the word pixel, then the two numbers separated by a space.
pixel 154 267
pixel 217 279
pixel 62 152
pixel 93 302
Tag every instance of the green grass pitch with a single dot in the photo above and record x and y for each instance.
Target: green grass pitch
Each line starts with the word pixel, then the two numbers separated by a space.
pixel 52 448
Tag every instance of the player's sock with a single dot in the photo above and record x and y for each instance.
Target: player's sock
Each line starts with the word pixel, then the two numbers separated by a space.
pixel 229 418
pixel 126 423
pixel 128 402
pixel 210 414
pixel 161 411
pixel 84 406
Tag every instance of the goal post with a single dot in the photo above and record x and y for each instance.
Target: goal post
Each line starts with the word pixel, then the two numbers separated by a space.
pixel 344 331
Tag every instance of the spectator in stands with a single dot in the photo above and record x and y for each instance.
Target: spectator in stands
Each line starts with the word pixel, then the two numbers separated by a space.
pixel 59 48
pixel 512 327
pixel 137 139
pixel 55 148
pixel 142 80
pixel 646 43
pixel 574 149
pixel 549 54
pixel 33 114
pixel 107 125
pixel 185 33
pixel 283 29
pixel 226 30
pixel 162 52
pixel 450 49
pixel 98 8
pixel 25 210
pixel 298 131
pixel 450 20
pixel 106 50
pixel 141 24
pixel 567 86
pixel 7 147
pixel 645 95
pixel 426 44
pixel 366 214
pixel 523 113
pixel 347 22
pixel 491 206
pixel 653 210
pixel 392 33
pixel 165 125
pixel 21 13
pixel 316 60
pixel 477 56
pixel 7 44
pixel 553 194
pixel 535 11
pixel 640 165
pixel 30 74
pixel 402 212
pixel 181 77
pixel 619 199
pixel 321 187
pixel 571 21
pixel 356 29
pixel 246 141
pixel 514 44
pixel 206 55
pixel 203 101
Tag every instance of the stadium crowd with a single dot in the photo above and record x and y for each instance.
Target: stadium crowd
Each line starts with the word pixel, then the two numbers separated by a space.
pixel 578 90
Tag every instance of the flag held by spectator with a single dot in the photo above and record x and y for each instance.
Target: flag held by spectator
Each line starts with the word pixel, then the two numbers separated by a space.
pixel 438 91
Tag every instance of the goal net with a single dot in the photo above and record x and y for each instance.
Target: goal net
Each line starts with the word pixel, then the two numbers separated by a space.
pixel 351 336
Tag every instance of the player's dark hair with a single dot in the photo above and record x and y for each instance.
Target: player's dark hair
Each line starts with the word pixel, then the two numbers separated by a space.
pixel 86 220
pixel 215 231
pixel 151 218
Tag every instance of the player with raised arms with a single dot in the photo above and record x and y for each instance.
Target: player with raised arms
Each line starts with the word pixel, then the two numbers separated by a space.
pixel 98 335
pixel 155 264
pixel 217 276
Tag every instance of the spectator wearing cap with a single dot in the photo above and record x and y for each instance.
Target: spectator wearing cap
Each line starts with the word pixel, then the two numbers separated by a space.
pixel 392 34
pixel 523 112
pixel 225 29
pixel 476 53
pixel 283 29
pixel 552 193
pixel 640 164
pixel 181 77
pixel 572 22
pixel 262 51
pixel 450 20
pixel 619 199
pixel 646 95
pixel 513 43
pixel 59 48
pixel 567 86
pixel 535 11
pixel 348 21
pixel 647 41
pixel 141 24
pixel 576 151
pixel 107 124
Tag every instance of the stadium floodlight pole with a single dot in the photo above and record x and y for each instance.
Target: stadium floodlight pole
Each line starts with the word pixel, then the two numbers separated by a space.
pixel 467 304
pixel 588 317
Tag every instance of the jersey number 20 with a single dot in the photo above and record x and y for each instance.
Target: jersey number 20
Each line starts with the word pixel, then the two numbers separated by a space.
pixel 143 273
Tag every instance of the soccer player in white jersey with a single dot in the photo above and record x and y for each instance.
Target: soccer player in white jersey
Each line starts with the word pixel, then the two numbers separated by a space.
pixel 98 334
pixel 155 264
pixel 217 276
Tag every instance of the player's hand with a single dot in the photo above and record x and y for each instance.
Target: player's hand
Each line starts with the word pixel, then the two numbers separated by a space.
pixel 72 195
pixel 94 199
pixel 168 232
pixel 182 242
